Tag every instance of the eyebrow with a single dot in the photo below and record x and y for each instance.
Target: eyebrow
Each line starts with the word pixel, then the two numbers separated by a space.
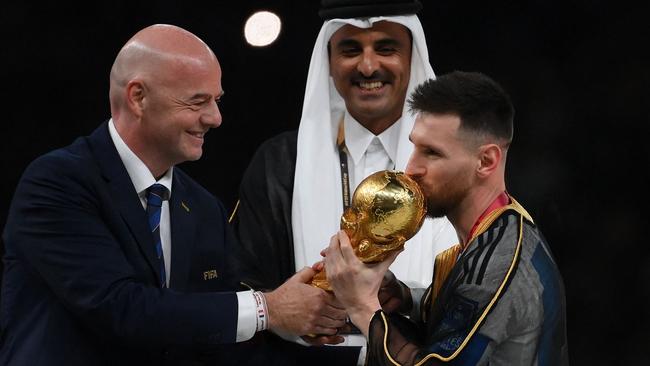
pixel 347 43
pixel 201 96
pixel 388 42
pixel 381 42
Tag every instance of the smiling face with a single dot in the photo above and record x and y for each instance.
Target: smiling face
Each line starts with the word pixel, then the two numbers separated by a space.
pixel 370 68
pixel 165 85
pixel 442 163
pixel 179 108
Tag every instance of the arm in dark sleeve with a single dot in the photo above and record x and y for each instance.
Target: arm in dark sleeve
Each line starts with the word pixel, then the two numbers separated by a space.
pixel 232 274
pixel 394 340
pixel 262 221
pixel 62 234
pixel 491 312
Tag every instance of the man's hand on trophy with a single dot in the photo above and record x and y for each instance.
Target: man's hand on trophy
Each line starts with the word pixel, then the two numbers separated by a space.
pixel 348 328
pixel 299 308
pixel 394 295
pixel 355 283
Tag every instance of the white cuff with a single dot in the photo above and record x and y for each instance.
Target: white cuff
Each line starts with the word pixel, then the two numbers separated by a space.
pixel 246 317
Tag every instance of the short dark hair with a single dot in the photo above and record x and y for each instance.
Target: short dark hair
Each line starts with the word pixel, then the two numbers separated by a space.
pixel 482 104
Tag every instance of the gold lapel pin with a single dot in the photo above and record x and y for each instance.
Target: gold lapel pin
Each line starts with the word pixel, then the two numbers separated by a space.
pixel 185 206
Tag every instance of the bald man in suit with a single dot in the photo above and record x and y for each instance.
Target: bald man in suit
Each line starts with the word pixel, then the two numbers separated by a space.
pixel 115 256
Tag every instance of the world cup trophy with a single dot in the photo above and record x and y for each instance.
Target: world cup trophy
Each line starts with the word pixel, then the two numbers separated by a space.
pixel 387 209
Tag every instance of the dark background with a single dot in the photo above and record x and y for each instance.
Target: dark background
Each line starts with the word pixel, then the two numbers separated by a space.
pixel 577 71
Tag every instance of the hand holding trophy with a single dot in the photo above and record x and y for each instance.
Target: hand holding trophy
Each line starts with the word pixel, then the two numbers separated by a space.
pixel 387 209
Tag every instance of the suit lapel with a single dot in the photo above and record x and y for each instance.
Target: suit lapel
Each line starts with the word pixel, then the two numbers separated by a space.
pixel 183 230
pixel 123 194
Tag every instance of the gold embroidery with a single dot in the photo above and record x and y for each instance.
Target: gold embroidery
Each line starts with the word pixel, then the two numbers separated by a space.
pixel 211 274
pixel 445 262
pixel 390 358
pixel 234 212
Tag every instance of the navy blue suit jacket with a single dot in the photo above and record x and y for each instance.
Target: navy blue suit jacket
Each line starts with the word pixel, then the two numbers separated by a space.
pixel 80 285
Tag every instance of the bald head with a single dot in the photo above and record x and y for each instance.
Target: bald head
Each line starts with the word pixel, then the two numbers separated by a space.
pixel 164 87
pixel 157 54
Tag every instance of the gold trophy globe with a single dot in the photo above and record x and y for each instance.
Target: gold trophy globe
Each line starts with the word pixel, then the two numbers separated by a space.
pixel 387 209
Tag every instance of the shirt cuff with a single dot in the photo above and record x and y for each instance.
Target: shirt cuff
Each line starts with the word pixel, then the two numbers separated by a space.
pixel 246 317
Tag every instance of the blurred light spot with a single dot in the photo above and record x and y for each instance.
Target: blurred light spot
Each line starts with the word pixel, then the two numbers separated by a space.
pixel 262 28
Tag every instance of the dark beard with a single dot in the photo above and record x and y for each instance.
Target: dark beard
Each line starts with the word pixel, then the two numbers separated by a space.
pixel 446 198
pixel 435 211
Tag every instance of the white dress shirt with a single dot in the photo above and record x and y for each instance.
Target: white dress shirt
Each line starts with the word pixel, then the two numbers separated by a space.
pixel 142 179
pixel 368 153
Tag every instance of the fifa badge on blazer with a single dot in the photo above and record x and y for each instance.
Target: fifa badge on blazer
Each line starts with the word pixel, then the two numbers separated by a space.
pixel 209 275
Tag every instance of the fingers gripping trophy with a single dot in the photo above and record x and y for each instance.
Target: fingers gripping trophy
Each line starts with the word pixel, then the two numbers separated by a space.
pixel 387 209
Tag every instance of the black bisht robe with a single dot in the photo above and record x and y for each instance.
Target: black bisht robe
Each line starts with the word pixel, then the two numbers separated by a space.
pixel 262 223
pixel 262 220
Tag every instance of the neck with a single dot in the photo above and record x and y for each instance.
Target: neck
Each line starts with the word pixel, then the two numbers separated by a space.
pixel 464 216
pixel 139 148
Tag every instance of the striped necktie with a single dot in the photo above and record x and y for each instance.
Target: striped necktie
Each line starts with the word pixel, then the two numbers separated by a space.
pixel 156 194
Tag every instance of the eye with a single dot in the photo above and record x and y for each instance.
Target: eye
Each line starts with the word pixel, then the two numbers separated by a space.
pixel 386 50
pixel 350 51
pixel 202 103
pixel 347 48
pixel 431 153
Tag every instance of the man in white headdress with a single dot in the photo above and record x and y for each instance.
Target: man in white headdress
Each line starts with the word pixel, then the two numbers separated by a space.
pixel 369 55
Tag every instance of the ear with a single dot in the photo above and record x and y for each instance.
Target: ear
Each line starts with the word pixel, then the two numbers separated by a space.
pixel 135 93
pixel 490 157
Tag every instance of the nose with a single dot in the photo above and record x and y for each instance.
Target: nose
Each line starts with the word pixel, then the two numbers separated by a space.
pixel 369 63
pixel 414 169
pixel 212 116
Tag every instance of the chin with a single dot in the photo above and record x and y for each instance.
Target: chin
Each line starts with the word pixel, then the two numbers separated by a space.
pixel 435 211
pixel 373 108
pixel 194 156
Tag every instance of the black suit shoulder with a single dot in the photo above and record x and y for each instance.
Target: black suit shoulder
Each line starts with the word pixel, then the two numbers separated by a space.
pixel 63 159
pixel 60 172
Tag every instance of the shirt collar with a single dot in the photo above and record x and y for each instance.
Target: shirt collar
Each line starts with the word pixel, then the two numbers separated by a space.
pixel 140 175
pixel 358 138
